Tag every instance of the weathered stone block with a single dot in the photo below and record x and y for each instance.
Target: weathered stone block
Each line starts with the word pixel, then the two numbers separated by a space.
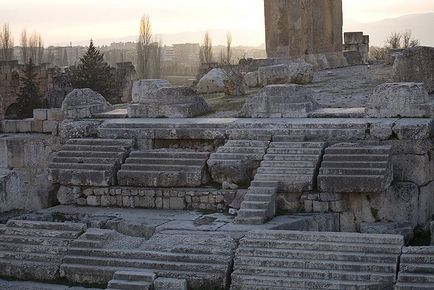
pixel 40 114
pixel 273 75
pixel 251 79
pixel 84 103
pixel 24 126
pixel 143 90
pixel 213 81
pixel 170 284
pixel 50 126
pixel 55 114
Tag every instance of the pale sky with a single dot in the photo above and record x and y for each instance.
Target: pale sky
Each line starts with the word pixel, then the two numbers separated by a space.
pixel 61 21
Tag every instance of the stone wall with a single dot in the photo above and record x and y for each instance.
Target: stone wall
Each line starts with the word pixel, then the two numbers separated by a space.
pixel 356 41
pixel 151 198
pixel 295 28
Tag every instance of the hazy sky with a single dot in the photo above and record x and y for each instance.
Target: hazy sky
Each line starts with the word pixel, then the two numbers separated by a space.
pixel 61 21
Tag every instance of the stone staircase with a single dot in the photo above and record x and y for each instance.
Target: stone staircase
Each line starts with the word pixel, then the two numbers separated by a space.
pixel 416 269
pixel 353 168
pixel 289 165
pixel 89 162
pixel 237 160
pixel 33 250
pixel 203 260
pixel 312 260
pixel 132 280
pixel 164 168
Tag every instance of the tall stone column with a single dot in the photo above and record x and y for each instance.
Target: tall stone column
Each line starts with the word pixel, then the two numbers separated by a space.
pixel 295 28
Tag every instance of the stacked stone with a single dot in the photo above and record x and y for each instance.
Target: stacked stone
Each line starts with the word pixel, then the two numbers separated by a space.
pixel 43 121
pixel 416 270
pixel 356 48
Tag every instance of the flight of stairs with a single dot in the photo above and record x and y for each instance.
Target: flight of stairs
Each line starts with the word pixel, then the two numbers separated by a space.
pixel 237 160
pixel 416 271
pixel 89 162
pixel 312 260
pixel 164 168
pixel 353 168
pixel 132 280
pixel 290 165
pixel 204 261
pixel 33 250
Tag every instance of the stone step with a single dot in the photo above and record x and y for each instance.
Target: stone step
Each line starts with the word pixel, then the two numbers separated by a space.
pixel 352 171
pixel 253 220
pixel 35 232
pixel 251 213
pixel 236 156
pixel 79 227
pixel 425 278
pixel 101 275
pixel 266 282
pixel 262 184
pixel 129 285
pixel 289 157
pixel 285 171
pixel 295 151
pixel 371 150
pixel 262 190
pixel 257 197
pixel 160 178
pixel 326 273
pixel 84 166
pixel 299 145
pixel 290 164
pixel 91 154
pixel 80 243
pixel 241 150
pixel 356 157
pixel 288 264
pixel 144 276
pixel 321 246
pixel 256 204
pixel 126 143
pixel 247 143
pixel 288 138
pixel 417 267
pixel 165 161
pixel 169 154
pixel 352 183
pixel 85 160
pixel 355 164
pixel 161 167
pixel 97 148
pixel 376 239
pixel 152 255
pixel 413 286
pixel 28 248
pixel 82 177
pixel 30 240
pixel 282 177
pixel 35 257
pixel 145 264
pixel 306 255
pixel 29 270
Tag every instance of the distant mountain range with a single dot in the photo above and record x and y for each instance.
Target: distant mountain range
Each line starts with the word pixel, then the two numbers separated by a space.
pixel 421 25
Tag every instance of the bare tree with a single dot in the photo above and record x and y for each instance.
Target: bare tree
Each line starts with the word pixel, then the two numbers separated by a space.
pixel 228 47
pixel 144 48
pixel 24 43
pixel 6 43
pixel 206 55
pixel 40 50
pixel 36 48
pixel 394 40
pixel 408 40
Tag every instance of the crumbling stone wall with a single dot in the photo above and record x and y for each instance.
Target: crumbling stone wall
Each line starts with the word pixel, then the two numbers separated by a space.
pixel 295 28
pixel 356 41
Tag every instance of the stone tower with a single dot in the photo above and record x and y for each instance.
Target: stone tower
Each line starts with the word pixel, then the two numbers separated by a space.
pixel 295 28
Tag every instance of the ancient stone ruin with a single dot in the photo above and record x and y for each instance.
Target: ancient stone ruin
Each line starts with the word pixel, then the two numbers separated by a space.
pixel 321 179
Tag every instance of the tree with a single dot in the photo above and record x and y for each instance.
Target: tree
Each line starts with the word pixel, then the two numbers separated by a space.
pixel 408 41
pixel 144 47
pixel 206 55
pixel 28 97
pixel 36 47
pixel 24 43
pixel 94 73
pixel 65 58
pixel 228 48
pixel 6 43
pixel 401 40
pixel 394 40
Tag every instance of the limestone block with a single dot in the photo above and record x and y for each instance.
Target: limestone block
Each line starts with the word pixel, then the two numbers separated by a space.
pixel 170 284
pixel 353 37
pixel 251 79
pixel 24 126
pixel 393 228
pixel 426 201
pixel 50 126
pixel 415 65
pixel 94 200
pixel 144 90
pixel 353 57
pixel 40 114
pixel 320 206
pixel 55 114
pixel 382 129
pixel 399 100
pixel 213 82
pixel 280 101
pixel 414 129
pixel 177 203
pixel 411 167
pixel 38 126
pixel 84 103
pixel 239 172
pixel 9 126
pixel 66 195
pixel 78 129
pixel 273 75
pixel 300 73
